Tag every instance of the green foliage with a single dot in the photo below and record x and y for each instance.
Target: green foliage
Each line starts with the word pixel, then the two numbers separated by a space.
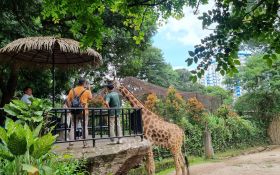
pixel 160 166
pixel 262 84
pixel 175 105
pixel 219 92
pixel 237 22
pixel 91 29
pixel 34 114
pixel 225 111
pixel 69 166
pixel 25 151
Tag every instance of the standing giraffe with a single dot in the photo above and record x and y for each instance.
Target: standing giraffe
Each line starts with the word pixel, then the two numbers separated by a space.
pixel 159 133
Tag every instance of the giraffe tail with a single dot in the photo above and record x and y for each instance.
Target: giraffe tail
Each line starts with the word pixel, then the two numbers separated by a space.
pixel 185 154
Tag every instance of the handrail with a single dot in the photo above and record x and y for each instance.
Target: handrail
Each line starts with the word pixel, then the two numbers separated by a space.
pixel 94 123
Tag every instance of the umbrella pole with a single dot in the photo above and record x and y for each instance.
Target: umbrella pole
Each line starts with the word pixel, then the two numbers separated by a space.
pixel 53 77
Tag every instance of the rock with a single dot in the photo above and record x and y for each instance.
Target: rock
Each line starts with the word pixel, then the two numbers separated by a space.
pixel 107 158
pixel 119 159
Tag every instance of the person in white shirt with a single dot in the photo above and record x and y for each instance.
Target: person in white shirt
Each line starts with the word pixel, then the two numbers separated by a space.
pixel 27 94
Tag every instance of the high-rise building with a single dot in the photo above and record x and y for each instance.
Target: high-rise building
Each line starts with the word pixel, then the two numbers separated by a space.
pixel 213 78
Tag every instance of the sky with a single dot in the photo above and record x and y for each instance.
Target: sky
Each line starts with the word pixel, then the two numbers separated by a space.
pixel 177 37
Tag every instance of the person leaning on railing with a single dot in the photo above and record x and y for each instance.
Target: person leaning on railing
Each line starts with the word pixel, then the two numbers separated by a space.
pixel 113 101
pixel 82 90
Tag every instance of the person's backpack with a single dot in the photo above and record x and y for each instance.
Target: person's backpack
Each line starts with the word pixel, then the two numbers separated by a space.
pixel 76 103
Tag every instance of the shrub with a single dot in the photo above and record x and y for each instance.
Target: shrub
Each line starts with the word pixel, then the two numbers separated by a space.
pixel 21 146
pixel 195 109
pixel 151 101
pixel 225 111
pixel 34 114
pixel 160 166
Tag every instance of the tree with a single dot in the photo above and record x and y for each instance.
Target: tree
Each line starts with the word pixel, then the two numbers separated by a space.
pixel 175 105
pixel 22 19
pixel 86 22
pixel 184 82
pixel 262 84
pixel 237 22
pixel 220 93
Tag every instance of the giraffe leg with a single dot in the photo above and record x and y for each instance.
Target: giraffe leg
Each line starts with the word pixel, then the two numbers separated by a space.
pixel 183 165
pixel 177 161
pixel 150 163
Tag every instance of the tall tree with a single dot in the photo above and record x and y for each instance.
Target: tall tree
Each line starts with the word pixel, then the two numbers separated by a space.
pixel 237 22
pixel 262 84
pixel 86 20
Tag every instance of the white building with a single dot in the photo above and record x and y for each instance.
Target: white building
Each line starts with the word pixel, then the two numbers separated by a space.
pixel 213 78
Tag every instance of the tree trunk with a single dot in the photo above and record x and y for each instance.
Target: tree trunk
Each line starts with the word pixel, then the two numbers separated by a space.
pixel 208 148
pixel 274 131
pixel 8 89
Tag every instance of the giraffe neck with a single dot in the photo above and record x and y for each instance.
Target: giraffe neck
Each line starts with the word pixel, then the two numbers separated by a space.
pixel 134 102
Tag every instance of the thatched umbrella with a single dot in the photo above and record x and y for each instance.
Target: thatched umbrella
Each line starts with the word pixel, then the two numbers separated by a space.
pixel 49 51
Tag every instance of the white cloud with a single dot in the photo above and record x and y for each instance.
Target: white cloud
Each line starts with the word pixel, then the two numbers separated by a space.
pixel 188 30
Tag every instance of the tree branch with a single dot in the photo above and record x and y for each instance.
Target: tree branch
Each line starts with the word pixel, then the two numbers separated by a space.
pixel 255 7
pixel 146 3
pixel 196 8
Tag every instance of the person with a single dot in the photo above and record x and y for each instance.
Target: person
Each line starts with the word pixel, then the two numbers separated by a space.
pixel 27 95
pixel 113 100
pixel 83 91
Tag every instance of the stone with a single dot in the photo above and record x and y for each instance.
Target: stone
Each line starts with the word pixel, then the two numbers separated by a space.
pixel 107 158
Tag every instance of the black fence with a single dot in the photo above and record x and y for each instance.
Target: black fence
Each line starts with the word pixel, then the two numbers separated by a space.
pixel 78 124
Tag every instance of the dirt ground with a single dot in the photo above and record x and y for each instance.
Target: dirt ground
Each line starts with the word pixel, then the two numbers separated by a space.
pixel 262 163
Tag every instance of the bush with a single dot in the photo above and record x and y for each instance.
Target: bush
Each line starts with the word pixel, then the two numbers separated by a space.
pixel 160 166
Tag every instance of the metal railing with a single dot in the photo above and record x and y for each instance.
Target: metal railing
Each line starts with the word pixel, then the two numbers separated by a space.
pixel 93 124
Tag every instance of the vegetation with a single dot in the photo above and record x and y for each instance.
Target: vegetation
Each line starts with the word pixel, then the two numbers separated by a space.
pixel 238 23
pixel 26 145
pixel 262 85
pixel 228 129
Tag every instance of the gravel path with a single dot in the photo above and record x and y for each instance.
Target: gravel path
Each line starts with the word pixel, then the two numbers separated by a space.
pixel 262 163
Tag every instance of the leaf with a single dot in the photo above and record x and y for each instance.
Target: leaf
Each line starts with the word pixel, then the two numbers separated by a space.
pixel 194 79
pixel 10 110
pixel 47 170
pixel 3 135
pixel 29 136
pixel 43 145
pixel 237 62
pixel 277 50
pixel 269 62
pixel 5 153
pixel 39 113
pixel 191 53
pixel 195 59
pixel 37 130
pixel 274 57
pixel 30 168
pixel 17 142
pixel 222 72
pixel 199 75
pixel 21 104
pixel 266 57
pixel 189 61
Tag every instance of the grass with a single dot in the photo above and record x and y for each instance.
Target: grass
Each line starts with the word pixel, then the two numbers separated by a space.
pixel 218 157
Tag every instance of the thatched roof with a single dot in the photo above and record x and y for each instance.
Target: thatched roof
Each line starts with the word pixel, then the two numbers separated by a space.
pixel 39 50
pixel 141 88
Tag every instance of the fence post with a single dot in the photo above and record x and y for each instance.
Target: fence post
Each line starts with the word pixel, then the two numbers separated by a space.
pixel 208 148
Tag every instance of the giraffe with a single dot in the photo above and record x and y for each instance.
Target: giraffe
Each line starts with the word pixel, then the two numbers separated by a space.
pixel 159 133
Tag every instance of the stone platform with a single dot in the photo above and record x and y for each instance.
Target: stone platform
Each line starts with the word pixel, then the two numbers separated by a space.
pixel 107 157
